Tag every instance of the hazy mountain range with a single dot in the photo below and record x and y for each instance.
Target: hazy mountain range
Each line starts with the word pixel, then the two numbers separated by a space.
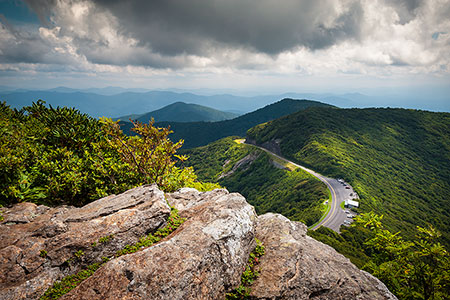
pixel 116 101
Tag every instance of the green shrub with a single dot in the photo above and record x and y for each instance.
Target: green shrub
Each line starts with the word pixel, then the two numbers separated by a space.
pixel 60 156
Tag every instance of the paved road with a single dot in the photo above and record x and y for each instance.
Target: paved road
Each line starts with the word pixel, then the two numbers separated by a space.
pixel 336 216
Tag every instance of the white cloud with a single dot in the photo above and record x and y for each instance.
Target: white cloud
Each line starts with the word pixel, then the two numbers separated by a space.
pixel 391 39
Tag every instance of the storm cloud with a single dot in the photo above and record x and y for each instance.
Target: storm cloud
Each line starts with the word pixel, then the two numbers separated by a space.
pixel 175 26
pixel 290 36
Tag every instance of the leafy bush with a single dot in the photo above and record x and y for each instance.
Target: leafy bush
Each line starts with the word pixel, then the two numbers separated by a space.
pixel 61 156
pixel 418 269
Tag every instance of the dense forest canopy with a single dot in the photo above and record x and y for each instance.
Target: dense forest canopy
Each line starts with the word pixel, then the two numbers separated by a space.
pixel 397 160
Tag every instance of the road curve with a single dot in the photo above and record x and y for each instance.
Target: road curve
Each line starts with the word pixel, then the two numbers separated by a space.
pixel 339 193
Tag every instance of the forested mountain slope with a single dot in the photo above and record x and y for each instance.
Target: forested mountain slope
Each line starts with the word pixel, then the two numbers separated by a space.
pixel 265 183
pixel 201 133
pixel 183 112
pixel 397 160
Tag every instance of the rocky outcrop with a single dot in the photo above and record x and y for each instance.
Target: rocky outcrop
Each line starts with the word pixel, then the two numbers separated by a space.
pixel 243 163
pixel 296 266
pixel 272 145
pixel 39 245
pixel 202 259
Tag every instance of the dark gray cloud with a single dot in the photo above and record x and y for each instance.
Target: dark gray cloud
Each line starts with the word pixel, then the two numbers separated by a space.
pixel 20 47
pixel 232 34
pixel 406 9
pixel 173 27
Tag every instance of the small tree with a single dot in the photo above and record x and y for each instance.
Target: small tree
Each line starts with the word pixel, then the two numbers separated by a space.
pixel 150 154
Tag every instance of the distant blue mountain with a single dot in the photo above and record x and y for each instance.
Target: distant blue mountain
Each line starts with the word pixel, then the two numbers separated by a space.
pixel 117 101
pixel 127 103
pixel 183 112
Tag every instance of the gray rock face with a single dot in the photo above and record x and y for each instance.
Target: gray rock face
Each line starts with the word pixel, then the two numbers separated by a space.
pixel 296 266
pixel 202 259
pixel 27 229
pixel 243 163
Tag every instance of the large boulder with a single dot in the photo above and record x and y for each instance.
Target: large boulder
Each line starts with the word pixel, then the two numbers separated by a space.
pixel 203 259
pixel 296 266
pixel 38 244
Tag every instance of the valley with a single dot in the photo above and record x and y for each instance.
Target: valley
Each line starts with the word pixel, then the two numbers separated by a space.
pixel 334 216
pixel 398 161
pixel 269 185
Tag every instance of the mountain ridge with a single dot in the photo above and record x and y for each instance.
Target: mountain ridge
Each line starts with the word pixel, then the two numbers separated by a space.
pixel 183 112
pixel 200 133
pixel 397 160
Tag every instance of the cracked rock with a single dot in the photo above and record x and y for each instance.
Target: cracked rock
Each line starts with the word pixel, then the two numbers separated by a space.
pixel 37 243
pixel 296 266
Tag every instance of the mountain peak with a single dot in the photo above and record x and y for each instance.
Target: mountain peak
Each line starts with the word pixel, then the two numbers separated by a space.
pixel 183 112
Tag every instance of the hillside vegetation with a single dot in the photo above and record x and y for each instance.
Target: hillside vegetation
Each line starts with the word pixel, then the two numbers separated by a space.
pixel 61 156
pixel 201 133
pixel 253 173
pixel 182 112
pixel 397 160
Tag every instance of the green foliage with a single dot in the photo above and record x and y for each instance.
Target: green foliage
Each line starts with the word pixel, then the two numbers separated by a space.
pixel 210 161
pixel 196 134
pixel 70 282
pixel 397 160
pixel 418 269
pixel 60 156
pixel 79 254
pixel 295 194
pixel 149 155
pixel 173 223
pixel 49 155
pixel 250 273
pixel 43 253
pixel 105 239
pixel 347 243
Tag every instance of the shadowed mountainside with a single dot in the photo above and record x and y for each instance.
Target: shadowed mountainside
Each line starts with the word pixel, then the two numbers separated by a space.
pixel 201 133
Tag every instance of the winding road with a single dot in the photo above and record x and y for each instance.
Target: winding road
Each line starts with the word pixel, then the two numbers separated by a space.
pixel 339 193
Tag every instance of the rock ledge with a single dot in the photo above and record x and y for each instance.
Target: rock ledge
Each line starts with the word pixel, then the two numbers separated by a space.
pixel 202 259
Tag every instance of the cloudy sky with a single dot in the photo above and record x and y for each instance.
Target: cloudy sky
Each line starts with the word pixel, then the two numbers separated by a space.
pixel 259 45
